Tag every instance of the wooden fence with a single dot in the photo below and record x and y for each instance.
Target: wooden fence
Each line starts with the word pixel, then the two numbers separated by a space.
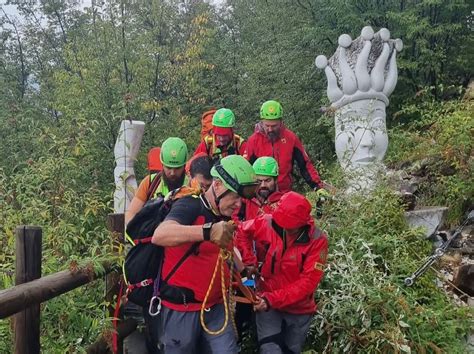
pixel 30 290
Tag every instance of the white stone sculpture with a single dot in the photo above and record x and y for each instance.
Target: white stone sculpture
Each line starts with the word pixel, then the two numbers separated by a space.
pixel 126 149
pixel 361 76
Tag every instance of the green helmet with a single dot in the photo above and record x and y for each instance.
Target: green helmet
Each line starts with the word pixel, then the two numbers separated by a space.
pixel 271 110
pixel 223 118
pixel 174 153
pixel 237 175
pixel 266 166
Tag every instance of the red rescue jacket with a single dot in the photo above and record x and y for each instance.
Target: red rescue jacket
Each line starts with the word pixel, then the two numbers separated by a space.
pixel 287 150
pixel 236 147
pixel 292 266
pixel 252 208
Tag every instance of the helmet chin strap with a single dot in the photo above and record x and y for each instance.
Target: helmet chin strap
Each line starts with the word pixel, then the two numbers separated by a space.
pixel 218 198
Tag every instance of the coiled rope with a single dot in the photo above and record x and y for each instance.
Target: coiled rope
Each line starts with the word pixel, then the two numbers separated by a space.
pixel 224 255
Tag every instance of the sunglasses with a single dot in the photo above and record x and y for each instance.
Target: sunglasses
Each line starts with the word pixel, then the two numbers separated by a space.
pixel 246 190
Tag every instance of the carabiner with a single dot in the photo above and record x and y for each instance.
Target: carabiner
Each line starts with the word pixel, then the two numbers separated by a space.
pixel 152 304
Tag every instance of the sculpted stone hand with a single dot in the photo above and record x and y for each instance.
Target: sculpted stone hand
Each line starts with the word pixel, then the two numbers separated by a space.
pixel 222 233
pixel 361 76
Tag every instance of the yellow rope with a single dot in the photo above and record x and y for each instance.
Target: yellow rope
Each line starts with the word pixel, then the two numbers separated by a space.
pixel 232 301
pixel 222 257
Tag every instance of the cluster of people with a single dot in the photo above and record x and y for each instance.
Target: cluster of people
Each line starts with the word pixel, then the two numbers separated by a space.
pixel 247 208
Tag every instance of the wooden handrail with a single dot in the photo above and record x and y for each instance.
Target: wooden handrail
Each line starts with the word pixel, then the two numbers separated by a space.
pixel 22 296
pixel 30 291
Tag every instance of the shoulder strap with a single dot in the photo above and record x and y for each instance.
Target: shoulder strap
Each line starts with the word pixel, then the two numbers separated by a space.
pixel 238 140
pixel 153 185
pixel 208 140
pixel 178 264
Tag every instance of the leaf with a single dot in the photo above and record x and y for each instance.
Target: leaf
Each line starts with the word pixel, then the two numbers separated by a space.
pixel 403 324
pixel 405 348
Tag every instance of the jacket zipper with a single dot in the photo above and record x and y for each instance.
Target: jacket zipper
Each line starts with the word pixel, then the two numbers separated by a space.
pixel 273 262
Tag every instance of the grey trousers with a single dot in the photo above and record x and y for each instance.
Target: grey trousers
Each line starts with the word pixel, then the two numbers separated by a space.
pixel 135 343
pixel 281 332
pixel 182 333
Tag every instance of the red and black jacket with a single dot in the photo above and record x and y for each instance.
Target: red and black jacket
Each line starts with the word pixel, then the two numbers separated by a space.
pixel 251 208
pixel 287 150
pixel 236 147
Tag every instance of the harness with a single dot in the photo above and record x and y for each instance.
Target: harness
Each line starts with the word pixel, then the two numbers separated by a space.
pixel 216 153
pixel 155 180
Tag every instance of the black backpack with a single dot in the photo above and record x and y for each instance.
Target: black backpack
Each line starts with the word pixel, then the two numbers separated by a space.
pixel 143 263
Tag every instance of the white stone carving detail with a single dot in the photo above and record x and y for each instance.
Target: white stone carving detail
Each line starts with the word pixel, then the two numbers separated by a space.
pixel 126 150
pixel 361 75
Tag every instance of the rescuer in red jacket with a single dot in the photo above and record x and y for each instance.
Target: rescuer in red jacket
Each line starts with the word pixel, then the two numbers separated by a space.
pixel 265 201
pixel 268 195
pixel 222 141
pixel 194 311
pixel 272 138
pixel 290 273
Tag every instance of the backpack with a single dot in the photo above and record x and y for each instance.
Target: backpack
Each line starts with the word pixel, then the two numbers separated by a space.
pixel 206 123
pixel 143 262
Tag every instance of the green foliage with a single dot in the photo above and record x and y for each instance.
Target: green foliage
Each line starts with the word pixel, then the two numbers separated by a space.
pixel 52 184
pixel 362 303
pixel 439 137
pixel 69 76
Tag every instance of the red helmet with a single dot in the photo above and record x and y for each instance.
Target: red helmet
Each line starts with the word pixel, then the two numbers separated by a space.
pixel 293 211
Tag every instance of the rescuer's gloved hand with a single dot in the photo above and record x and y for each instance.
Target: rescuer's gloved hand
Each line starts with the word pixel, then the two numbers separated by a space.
pixel 222 233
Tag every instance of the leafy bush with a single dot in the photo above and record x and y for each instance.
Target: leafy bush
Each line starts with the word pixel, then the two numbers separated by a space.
pixel 440 137
pixel 363 305
pixel 46 192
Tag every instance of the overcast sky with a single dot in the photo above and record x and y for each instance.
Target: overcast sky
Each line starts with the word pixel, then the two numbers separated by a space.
pixel 11 10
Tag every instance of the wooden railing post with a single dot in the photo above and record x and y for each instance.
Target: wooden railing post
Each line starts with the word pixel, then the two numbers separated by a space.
pixel 116 225
pixel 20 297
pixel 28 268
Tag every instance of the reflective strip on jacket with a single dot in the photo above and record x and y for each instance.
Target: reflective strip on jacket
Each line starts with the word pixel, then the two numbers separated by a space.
pixel 236 147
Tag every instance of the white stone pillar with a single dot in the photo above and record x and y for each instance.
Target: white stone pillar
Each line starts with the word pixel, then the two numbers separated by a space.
pixel 126 150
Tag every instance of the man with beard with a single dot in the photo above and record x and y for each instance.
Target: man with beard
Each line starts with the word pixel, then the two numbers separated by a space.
pixel 265 201
pixel 266 169
pixel 272 138
pixel 194 235
pixel 173 156
pixel 222 141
